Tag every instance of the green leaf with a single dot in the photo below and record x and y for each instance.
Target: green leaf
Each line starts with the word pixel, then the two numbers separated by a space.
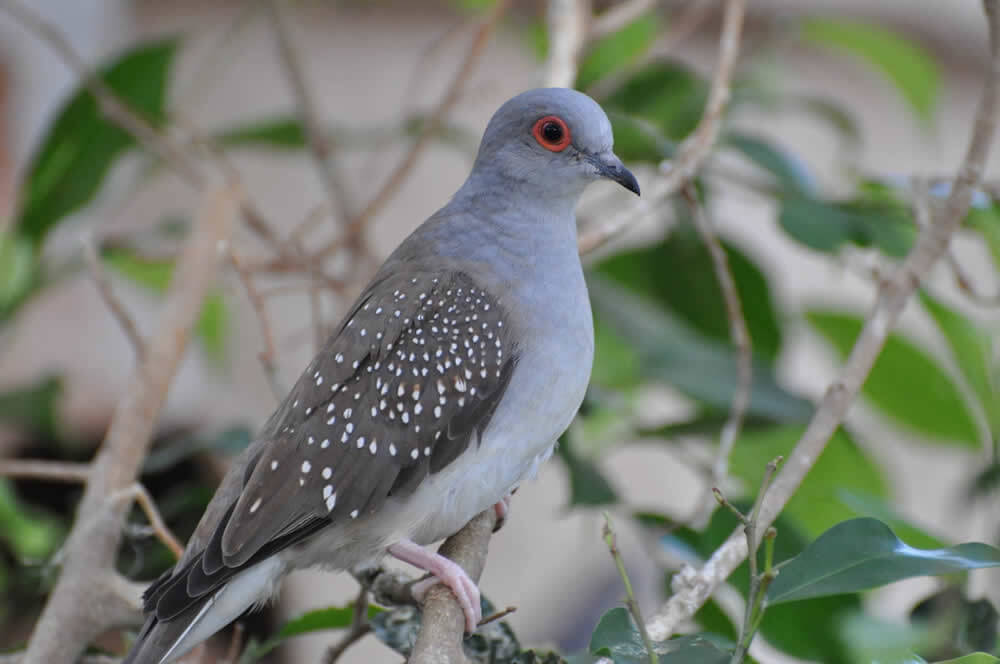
pixel 588 486
pixel 282 132
pixel 861 554
pixel 806 629
pixel 617 637
pixel 313 621
pixel 80 147
pixel 905 383
pixel 32 534
pixel 678 274
pixel 667 96
pixel 670 350
pixel 816 505
pixel 791 173
pixel 616 364
pixel 33 408
pixel 617 50
pixel 155 275
pixel 19 274
pixel 971 348
pixel 876 507
pixel 985 482
pixel 873 219
pixel 908 65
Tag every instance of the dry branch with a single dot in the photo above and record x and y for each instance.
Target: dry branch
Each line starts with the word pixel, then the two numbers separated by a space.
pixel 693 588
pixel 568 22
pixel 93 543
pixel 111 301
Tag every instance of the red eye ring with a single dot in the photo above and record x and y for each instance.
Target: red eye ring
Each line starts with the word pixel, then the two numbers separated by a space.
pixel 552 133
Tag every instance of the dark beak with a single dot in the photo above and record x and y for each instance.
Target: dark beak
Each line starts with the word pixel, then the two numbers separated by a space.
pixel 610 166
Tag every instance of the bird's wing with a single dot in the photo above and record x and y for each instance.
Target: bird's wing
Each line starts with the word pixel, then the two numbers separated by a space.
pixel 412 376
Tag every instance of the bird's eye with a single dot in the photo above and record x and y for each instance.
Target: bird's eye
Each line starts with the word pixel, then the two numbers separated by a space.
pixel 552 133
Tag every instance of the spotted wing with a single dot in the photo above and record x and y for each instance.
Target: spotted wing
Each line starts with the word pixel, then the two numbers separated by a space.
pixel 402 388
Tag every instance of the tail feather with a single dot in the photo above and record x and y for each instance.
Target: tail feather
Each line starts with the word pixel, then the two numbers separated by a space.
pixel 163 641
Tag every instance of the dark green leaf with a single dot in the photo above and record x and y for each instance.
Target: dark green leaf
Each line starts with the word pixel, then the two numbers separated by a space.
pixel 678 274
pixel 908 65
pixel 617 637
pixel 284 132
pixel 806 629
pixel 966 625
pixel 669 350
pixel 312 621
pixel 865 504
pixel 905 382
pixel 617 50
pixel 986 481
pixel 816 505
pixel 861 554
pixel 81 145
pixel 709 423
pixel 790 172
pixel 971 348
pixel 665 95
pixel 874 219
pixel 974 658
pixel 616 364
pixel 33 408
pixel 588 486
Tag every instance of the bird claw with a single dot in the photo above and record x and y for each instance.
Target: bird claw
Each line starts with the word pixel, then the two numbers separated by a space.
pixel 443 571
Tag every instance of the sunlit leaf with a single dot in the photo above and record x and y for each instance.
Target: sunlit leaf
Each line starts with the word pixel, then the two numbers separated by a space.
pixel 905 383
pixel 31 534
pixel 861 554
pixel 18 272
pixel 816 505
pixel 81 144
pixel 907 64
pixel 617 50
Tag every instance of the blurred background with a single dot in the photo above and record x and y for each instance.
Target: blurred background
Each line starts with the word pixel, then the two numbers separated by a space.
pixel 835 105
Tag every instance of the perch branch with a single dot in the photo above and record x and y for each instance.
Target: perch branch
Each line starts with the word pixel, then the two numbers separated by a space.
pixel 93 542
pixel 53 471
pixel 319 139
pixel 430 128
pixel 692 588
pixel 440 638
pixel 696 148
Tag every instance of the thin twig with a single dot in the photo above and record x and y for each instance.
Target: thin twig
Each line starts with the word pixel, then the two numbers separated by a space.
pixel 630 601
pixel 93 542
pixel 319 140
pixel 116 306
pixel 693 588
pixel 359 627
pixel 499 615
pixel 738 333
pixel 429 130
pixel 696 148
pixel 268 356
pixel 568 22
pixel 53 471
pixel 138 493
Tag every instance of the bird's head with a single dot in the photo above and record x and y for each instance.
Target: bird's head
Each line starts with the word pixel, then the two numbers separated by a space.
pixel 556 140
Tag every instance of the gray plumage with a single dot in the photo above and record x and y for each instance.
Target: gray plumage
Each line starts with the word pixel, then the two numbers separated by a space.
pixel 444 387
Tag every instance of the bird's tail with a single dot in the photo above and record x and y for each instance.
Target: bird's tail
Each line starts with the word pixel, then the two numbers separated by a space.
pixel 163 641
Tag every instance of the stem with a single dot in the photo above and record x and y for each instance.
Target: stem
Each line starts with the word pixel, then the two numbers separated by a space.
pixel 632 605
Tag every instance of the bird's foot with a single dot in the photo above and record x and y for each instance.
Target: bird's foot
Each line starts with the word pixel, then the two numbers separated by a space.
pixel 443 571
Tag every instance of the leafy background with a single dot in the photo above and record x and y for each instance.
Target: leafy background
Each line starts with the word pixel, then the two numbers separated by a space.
pixel 665 370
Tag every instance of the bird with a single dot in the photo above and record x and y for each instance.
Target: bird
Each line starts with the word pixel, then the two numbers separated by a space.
pixel 444 387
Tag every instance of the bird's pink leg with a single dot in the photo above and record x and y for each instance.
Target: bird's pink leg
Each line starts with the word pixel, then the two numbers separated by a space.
pixel 444 571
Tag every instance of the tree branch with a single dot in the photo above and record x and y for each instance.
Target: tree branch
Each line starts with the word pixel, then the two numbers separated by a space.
pixel 115 305
pixel 93 543
pixel 443 626
pixel 696 148
pixel 568 22
pixel 430 128
pixel 691 588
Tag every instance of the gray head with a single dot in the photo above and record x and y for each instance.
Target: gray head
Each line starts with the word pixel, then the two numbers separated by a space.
pixel 553 139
